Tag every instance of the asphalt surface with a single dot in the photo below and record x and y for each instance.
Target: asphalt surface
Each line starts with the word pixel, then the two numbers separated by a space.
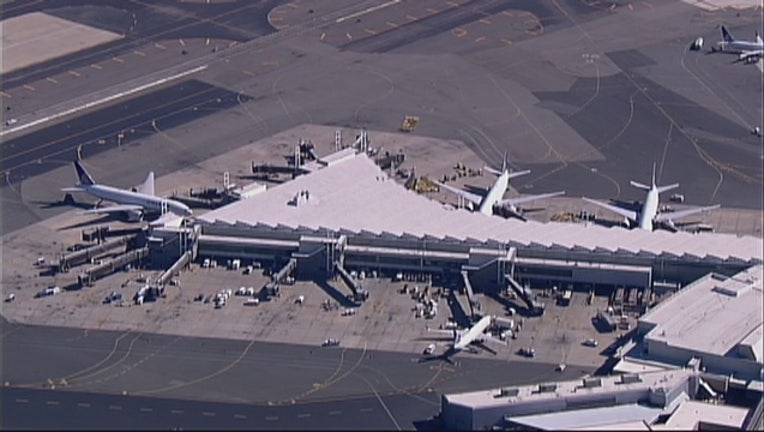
pixel 585 96
pixel 96 132
pixel 141 22
pixel 591 137
pixel 261 381
pixel 63 410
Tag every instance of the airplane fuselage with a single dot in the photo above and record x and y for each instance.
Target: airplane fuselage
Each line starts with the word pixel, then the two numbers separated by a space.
pixel 472 334
pixel 740 46
pixel 649 210
pixel 148 202
pixel 495 194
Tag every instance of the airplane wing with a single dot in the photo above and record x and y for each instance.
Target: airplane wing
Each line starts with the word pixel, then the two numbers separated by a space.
pixel 441 331
pixel 683 213
pixel 621 211
pixel 444 331
pixel 492 170
pixel 527 198
pixel 114 209
pixel 482 346
pixel 490 338
pixel 467 195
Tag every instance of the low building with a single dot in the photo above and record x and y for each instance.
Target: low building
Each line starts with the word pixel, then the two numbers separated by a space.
pixel 571 404
pixel 661 400
pixel 717 319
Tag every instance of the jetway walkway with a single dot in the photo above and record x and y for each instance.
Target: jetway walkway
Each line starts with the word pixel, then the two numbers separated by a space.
pixel 458 312
pixel 359 294
pixel 90 275
pixel 534 307
pixel 84 255
pixel 174 269
pixel 475 305
pixel 272 288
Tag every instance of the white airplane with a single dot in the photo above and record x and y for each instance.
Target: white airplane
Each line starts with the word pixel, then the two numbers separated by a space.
pixel 649 218
pixel 492 201
pixel 464 339
pixel 135 203
pixel 748 52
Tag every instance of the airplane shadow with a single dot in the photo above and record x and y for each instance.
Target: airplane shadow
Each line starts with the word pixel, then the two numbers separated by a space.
pixel 507 303
pixel 62 203
pixel 334 293
pixel 444 357
pixel 103 220
pixel 260 178
pixel 635 206
pixel 607 223
pixel 532 209
pixel 478 190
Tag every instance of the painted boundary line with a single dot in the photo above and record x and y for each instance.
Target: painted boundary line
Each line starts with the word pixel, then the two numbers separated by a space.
pixel 367 10
pixel 101 101
pixel 231 52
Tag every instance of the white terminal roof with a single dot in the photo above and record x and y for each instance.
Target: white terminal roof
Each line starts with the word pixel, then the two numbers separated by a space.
pixel 352 193
pixel 713 315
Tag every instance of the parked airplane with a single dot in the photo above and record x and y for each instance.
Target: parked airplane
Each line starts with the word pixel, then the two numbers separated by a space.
pixel 492 201
pixel 748 52
pixel 135 203
pixel 649 218
pixel 464 339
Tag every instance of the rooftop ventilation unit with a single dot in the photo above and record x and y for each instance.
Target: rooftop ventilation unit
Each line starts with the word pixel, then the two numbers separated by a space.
pixel 630 378
pixel 547 388
pixel 592 382
pixel 508 392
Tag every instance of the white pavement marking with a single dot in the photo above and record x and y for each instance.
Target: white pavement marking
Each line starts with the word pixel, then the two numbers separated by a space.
pixel 102 101
pixel 367 10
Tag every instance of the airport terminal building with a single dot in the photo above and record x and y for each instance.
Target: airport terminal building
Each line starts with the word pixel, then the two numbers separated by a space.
pixel 347 212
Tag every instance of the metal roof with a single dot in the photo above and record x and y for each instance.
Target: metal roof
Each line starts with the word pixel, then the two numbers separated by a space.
pixel 354 194
pixel 600 417
pixel 712 315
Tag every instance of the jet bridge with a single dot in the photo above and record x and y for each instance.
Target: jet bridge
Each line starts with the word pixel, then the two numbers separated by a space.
pixel 84 255
pixel 175 268
pixel 534 307
pixel 475 306
pixel 359 294
pixel 90 275
pixel 272 287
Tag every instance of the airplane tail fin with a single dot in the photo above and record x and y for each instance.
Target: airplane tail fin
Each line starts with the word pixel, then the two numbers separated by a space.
pixel 758 38
pixel 726 36
pixel 82 174
pixel 148 185
pixel 504 162
pixel 645 187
